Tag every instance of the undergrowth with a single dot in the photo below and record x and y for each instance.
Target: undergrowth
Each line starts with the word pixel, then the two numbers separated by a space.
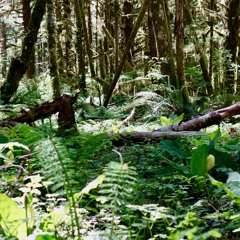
pixel 73 186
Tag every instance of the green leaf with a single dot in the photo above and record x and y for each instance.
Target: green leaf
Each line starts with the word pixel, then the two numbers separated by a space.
pixel 12 218
pixel 3 139
pixel 213 138
pixel 177 119
pixel 215 135
pixel 173 149
pixel 165 121
pixel 93 184
pixel 176 166
pixel 198 163
pixel 225 159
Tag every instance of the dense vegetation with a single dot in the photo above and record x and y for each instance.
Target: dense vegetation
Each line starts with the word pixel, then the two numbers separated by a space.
pixel 130 66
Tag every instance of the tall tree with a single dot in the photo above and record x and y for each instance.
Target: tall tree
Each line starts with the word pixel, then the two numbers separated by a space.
pixel 52 50
pixel 126 51
pixel 199 50
pixel 19 65
pixel 81 74
pixel 127 21
pixel 67 36
pixel 3 37
pixel 180 51
pixel 231 43
pixel 160 39
pixel 26 8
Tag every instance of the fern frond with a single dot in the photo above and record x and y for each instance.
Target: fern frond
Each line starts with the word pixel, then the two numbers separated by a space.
pixel 115 193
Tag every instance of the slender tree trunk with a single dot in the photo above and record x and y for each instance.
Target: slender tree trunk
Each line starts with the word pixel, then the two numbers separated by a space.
pixel 232 44
pixel 86 38
pixel 19 65
pixel 126 51
pixel 211 47
pixel 127 21
pixel 116 32
pixel 152 38
pixel 52 50
pixel 199 52
pixel 106 44
pixel 68 39
pixel 26 18
pixel 80 49
pixel 59 29
pixel 3 36
pixel 171 60
pixel 180 50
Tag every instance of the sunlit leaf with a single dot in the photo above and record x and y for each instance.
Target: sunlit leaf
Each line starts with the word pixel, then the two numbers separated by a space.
pixel 12 218
pixel 198 164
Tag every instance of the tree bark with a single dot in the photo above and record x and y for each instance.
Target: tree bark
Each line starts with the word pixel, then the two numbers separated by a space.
pixel 26 18
pixel 126 52
pixel 200 52
pixel 198 123
pixel 68 38
pixel 52 50
pixel 127 21
pixel 80 50
pixel 180 51
pixel 3 48
pixel 232 45
pixel 19 65
pixel 62 105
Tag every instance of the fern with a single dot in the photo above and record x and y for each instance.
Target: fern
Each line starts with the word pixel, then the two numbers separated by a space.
pixel 58 167
pixel 115 193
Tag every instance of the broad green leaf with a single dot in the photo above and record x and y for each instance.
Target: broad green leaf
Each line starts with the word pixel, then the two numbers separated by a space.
pixel 12 218
pixel 178 119
pixel 225 159
pixel 93 184
pixel 198 164
pixel 222 186
pixel 215 135
pixel 90 186
pixel 3 139
pixel 172 148
pixel 10 145
pixel 165 121
pixel 213 138
pixel 176 166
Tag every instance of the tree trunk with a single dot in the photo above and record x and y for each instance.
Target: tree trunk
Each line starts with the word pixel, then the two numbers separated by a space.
pixel 126 51
pixel 211 47
pixel 116 32
pixel 52 50
pixel 86 38
pixel 19 65
pixel 26 18
pixel 80 50
pixel 152 38
pixel 232 45
pixel 180 51
pixel 62 105
pixel 68 38
pixel 59 29
pixel 200 53
pixel 127 21
pixel 3 48
pixel 160 36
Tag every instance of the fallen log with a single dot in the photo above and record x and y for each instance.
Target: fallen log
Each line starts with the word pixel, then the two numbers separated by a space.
pixel 181 129
pixel 198 123
pixel 62 105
